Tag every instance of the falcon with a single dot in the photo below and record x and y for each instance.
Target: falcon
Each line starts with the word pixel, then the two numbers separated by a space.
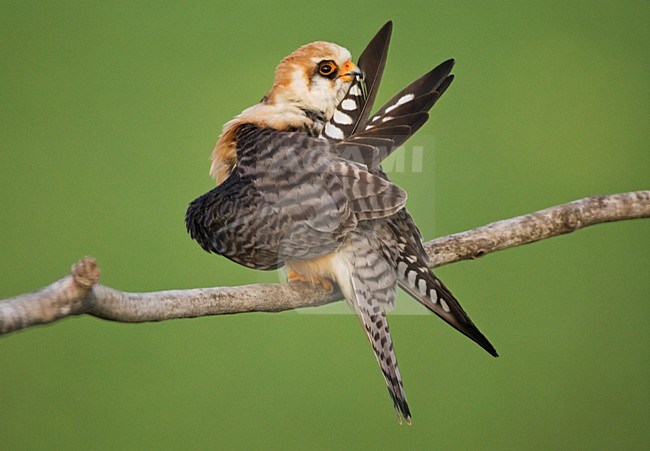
pixel 300 185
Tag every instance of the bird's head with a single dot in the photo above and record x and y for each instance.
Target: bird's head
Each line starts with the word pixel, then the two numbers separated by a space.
pixel 308 86
pixel 314 78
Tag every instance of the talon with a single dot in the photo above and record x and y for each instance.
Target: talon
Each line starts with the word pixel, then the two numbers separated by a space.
pixel 294 276
pixel 325 284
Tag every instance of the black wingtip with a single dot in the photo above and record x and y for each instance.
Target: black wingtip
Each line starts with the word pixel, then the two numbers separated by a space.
pixel 454 315
pixel 472 332
pixel 488 347
pixel 382 37
pixel 480 339
pixel 467 327
pixel 372 62
pixel 383 34
pixel 440 72
pixel 450 62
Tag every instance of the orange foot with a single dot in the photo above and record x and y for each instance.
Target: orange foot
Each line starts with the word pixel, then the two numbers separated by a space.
pixel 294 276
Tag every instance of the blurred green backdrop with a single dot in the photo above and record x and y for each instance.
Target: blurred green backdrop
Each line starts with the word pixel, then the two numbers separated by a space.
pixel 109 111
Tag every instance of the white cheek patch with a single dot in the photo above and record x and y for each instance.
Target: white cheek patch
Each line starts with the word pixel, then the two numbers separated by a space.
pixel 402 100
pixel 342 118
pixel 333 132
pixel 349 105
pixel 298 83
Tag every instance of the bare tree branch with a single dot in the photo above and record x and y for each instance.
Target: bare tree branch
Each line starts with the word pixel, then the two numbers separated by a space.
pixel 558 220
pixel 79 293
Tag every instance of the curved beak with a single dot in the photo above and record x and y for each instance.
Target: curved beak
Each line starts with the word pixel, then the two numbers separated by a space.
pixel 350 71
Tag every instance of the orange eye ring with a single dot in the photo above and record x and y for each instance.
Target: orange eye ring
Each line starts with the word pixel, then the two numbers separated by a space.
pixel 326 68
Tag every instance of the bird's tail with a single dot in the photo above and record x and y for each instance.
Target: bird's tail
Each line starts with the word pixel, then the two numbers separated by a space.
pixel 367 279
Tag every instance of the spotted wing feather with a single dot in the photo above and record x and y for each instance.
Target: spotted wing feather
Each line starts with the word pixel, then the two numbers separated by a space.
pixel 372 62
pixel 435 81
pixel 399 118
pixel 415 277
pixel 356 105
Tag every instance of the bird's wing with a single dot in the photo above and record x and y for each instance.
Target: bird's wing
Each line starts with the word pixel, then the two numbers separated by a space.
pixel 398 119
pixel 369 196
pixel 357 104
pixel 369 141
pixel 415 277
pixel 288 197
pixel 420 95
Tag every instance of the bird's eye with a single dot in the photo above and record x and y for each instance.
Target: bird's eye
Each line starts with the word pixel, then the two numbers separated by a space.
pixel 325 68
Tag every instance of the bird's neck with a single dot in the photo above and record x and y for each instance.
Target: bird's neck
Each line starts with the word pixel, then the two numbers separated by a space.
pixel 280 116
pixel 285 116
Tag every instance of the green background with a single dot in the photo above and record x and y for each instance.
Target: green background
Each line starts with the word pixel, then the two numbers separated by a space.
pixel 108 113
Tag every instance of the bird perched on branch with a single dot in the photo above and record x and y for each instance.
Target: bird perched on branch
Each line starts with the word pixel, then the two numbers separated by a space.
pixel 299 184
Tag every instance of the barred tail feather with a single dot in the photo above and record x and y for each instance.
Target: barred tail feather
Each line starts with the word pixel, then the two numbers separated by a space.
pixel 376 327
pixel 368 282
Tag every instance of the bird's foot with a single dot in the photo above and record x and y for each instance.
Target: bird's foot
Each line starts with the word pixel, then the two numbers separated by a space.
pixel 294 276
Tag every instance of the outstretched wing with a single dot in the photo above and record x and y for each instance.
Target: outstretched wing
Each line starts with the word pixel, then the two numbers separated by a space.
pixel 398 119
pixel 369 142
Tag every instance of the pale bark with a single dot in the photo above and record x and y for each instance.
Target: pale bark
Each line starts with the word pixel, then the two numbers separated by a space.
pixel 79 292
